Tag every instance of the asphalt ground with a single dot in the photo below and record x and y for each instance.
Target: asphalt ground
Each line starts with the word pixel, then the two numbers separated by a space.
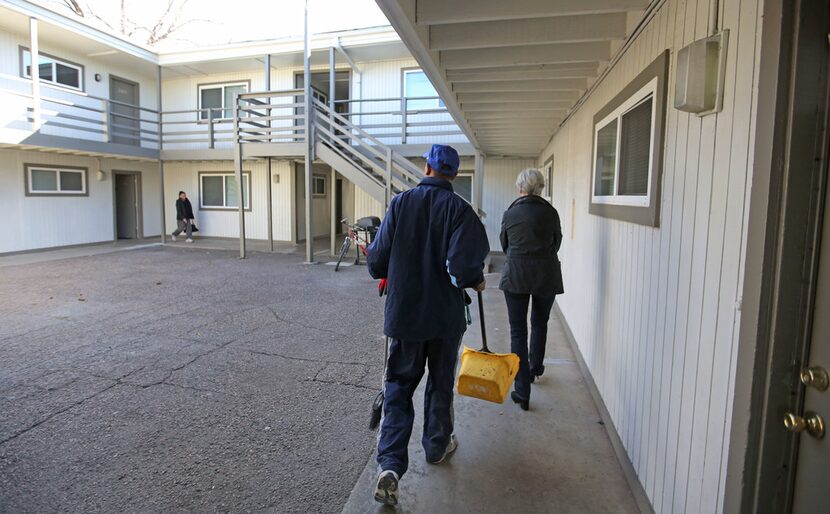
pixel 172 379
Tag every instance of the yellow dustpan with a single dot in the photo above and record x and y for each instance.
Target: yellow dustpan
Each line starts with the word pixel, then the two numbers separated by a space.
pixel 486 375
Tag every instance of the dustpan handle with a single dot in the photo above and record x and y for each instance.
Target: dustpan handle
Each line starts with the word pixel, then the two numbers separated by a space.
pixel 481 317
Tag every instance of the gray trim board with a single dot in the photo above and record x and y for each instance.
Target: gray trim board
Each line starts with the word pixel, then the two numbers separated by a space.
pixel 650 215
pixel 56 167
pixel 95 147
pixel 630 474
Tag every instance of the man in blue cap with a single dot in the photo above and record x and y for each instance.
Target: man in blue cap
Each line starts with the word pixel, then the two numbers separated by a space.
pixel 430 247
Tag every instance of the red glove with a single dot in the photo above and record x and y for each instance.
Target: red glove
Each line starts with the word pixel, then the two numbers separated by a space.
pixel 382 285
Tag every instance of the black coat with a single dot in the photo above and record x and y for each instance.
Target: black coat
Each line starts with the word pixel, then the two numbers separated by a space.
pixel 530 237
pixel 184 211
pixel 430 245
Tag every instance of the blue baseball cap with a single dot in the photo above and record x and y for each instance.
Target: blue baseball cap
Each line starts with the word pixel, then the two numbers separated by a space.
pixel 443 159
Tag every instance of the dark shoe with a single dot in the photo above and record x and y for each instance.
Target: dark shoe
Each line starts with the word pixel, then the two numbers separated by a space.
pixel 524 404
pixel 386 490
pixel 451 447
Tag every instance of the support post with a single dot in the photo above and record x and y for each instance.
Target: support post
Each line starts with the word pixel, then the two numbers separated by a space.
pixel 161 162
pixel 388 195
pixel 403 120
pixel 268 169
pixel 478 181
pixel 237 161
pixel 309 139
pixel 334 220
pixel 210 129
pixel 34 67
pixel 332 88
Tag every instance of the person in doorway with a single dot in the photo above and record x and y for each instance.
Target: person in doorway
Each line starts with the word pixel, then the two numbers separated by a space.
pixel 430 246
pixel 530 237
pixel 184 217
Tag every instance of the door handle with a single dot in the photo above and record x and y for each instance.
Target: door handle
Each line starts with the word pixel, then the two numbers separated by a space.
pixel 811 422
pixel 815 376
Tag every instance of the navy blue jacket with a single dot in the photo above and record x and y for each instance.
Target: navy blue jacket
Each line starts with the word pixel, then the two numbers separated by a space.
pixel 430 246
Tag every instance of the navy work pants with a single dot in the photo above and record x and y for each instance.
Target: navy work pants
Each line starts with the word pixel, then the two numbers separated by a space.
pixel 517 305
pixel 404 370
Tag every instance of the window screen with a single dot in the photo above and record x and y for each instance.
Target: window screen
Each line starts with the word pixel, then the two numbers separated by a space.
pixel 606 159
pixel 72 181
pixel 635 148
pixel 211 99
pixel 44 180
pixel 213 191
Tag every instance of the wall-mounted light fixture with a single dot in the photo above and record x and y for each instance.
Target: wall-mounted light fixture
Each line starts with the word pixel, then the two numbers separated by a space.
pixel 97 77
pixel 701 68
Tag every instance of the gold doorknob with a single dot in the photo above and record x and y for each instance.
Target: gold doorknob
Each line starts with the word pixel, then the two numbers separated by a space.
pixel 811 422
pixel 815 376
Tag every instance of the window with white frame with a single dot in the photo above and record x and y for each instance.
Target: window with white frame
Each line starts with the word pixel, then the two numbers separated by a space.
pixel 53 70
pixel 219 191
pixel 463 186
pixel 416 86
pixel 219 99
pixel 318 185
pixel 623 150
pixel 44 180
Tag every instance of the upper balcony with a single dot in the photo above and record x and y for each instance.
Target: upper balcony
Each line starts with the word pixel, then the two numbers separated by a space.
pixel 81 123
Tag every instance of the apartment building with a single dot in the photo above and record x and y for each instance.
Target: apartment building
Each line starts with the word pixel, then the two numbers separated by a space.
pixel 98 144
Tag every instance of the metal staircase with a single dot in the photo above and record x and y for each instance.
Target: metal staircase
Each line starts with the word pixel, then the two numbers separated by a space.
pixel 278 118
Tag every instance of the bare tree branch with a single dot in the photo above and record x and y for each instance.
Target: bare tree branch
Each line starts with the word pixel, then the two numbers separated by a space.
pixel 166 25
pixel 75 7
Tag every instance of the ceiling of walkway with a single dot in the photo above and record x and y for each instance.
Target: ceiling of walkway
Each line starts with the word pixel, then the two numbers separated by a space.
pixel 511 70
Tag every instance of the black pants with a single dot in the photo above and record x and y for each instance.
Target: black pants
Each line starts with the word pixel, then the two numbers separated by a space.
pixel 408 360
pixel 517 314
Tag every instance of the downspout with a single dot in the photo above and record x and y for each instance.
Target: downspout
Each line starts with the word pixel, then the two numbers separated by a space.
pixel 34 72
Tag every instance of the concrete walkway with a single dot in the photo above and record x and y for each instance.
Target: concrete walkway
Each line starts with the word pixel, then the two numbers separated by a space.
pixel 556 457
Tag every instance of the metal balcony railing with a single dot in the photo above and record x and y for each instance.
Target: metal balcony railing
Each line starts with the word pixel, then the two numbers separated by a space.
pixel 401 120
pixel 264 117
pixel 76 115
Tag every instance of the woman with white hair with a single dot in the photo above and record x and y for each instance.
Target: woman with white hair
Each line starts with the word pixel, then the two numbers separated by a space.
pixel 530 237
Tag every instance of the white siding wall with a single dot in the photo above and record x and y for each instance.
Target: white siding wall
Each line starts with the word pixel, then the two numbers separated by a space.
pixel 39 222
pixel 184 176
pixel 14 106
pixel 499 192
pixel 655 310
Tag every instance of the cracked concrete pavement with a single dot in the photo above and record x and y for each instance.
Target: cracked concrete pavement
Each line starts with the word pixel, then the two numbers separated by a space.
pixel 169 379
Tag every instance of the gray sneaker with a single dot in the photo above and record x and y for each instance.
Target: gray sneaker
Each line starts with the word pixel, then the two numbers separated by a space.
pixel 386 490
pixel 451 447
pixel 173 237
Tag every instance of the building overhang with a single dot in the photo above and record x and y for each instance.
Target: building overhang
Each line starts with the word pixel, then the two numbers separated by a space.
pixel 510 72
